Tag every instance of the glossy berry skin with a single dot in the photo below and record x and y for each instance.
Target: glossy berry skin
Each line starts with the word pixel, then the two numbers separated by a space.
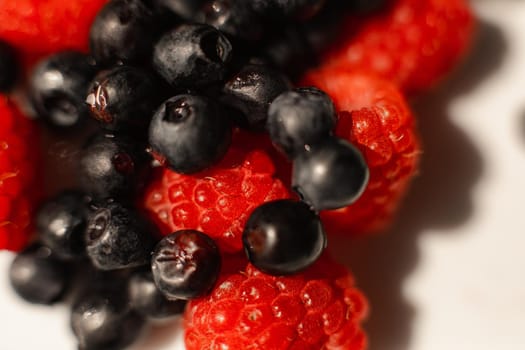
pixel 302 9
pixel 217 201
pixel 375 117
pixel 185 264
pixel 58 87
pixel 124 98
pixel 102 319
pixel 330 175
pixel 251 91
pixel 300 118
pixel 37 276
pixel 118 237
pixel 44 27
pixel 232 17
pixel 20 188
pixel 192 55
pixel 289 50
pixel 112 166
pixel 9 68
pixel 283 237
pixel 319 308
pixel 146 299
pixel 365 6
pixel 186 9
pixel 124 30
pixel 190 133
pixel 413 43
pixel 61 222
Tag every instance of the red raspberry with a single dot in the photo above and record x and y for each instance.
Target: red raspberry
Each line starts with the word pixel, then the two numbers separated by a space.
pixel 317 309
pixel 18 176
pixel 414 43
pixel 46 26
pixel 217 201
pixel 376 118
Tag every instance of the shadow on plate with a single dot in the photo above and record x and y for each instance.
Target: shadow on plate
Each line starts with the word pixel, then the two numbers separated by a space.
pixel 440 198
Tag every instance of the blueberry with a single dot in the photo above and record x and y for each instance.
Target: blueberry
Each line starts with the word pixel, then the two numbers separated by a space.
pixel 300 118
pixel 185 264
pixel 365 6
pixel 233 17
pixel 289 51
pixel 147 300
pixel 190 132
pixel 102 319
pixel 37 276
pixel 301 9
pixel 330 175
pixel 58 87
pixel 61 222
pixel 283 237
pixel 123 30
pixel 186 9
pixel 118 237
pixel 9 68
pixel 192 55
pixel 125 97
pixel 112 166
pixel 251 91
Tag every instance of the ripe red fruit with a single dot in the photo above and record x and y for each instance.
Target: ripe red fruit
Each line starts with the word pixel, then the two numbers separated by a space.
pixel 317 309
pixel 216 201
pixel 38 26
pixel 375 117
pixel 413 43
pixel 18 176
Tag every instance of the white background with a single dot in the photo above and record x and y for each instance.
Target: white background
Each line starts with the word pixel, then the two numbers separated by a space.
pixel 451 273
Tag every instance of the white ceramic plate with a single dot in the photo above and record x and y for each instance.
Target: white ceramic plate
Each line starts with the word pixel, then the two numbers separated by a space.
pixel 450 275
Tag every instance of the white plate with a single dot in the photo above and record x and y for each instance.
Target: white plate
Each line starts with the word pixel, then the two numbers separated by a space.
pixel 451 274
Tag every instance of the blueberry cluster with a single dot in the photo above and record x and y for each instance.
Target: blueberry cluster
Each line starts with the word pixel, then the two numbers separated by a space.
pixel 167 82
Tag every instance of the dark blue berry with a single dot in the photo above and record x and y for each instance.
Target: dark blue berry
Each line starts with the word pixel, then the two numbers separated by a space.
pixel 300 118
pixel 301 9
pixel 37 276
pixel 112 166
pixel 118 237
pixel 283 237
pixel 251 91
pixel 288 49
pixel 330 175
pixel 58 87
pixel 9 68
pixel 364 6
pixel 61 222
pixel 102 319
pixel 186 264
pixel 125 97
pixel 147 300
pixel 190 132
pixel 123 31
pixel 233 17
pixel 192 55
pixel 186 9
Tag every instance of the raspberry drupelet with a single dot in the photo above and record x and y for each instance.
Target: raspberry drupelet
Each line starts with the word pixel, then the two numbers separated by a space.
pixel 376 118
pixel 19 190
pixel 217 201
pixel 317 309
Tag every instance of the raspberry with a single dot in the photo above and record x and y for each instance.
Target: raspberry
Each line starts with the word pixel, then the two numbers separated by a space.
pixel 414 43
pixel 46 26
pixel 216 201
pixel 317 309
pixel 18 175
pixel 376 118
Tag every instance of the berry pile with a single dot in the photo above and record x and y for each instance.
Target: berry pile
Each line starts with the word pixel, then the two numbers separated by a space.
pixel 219 127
